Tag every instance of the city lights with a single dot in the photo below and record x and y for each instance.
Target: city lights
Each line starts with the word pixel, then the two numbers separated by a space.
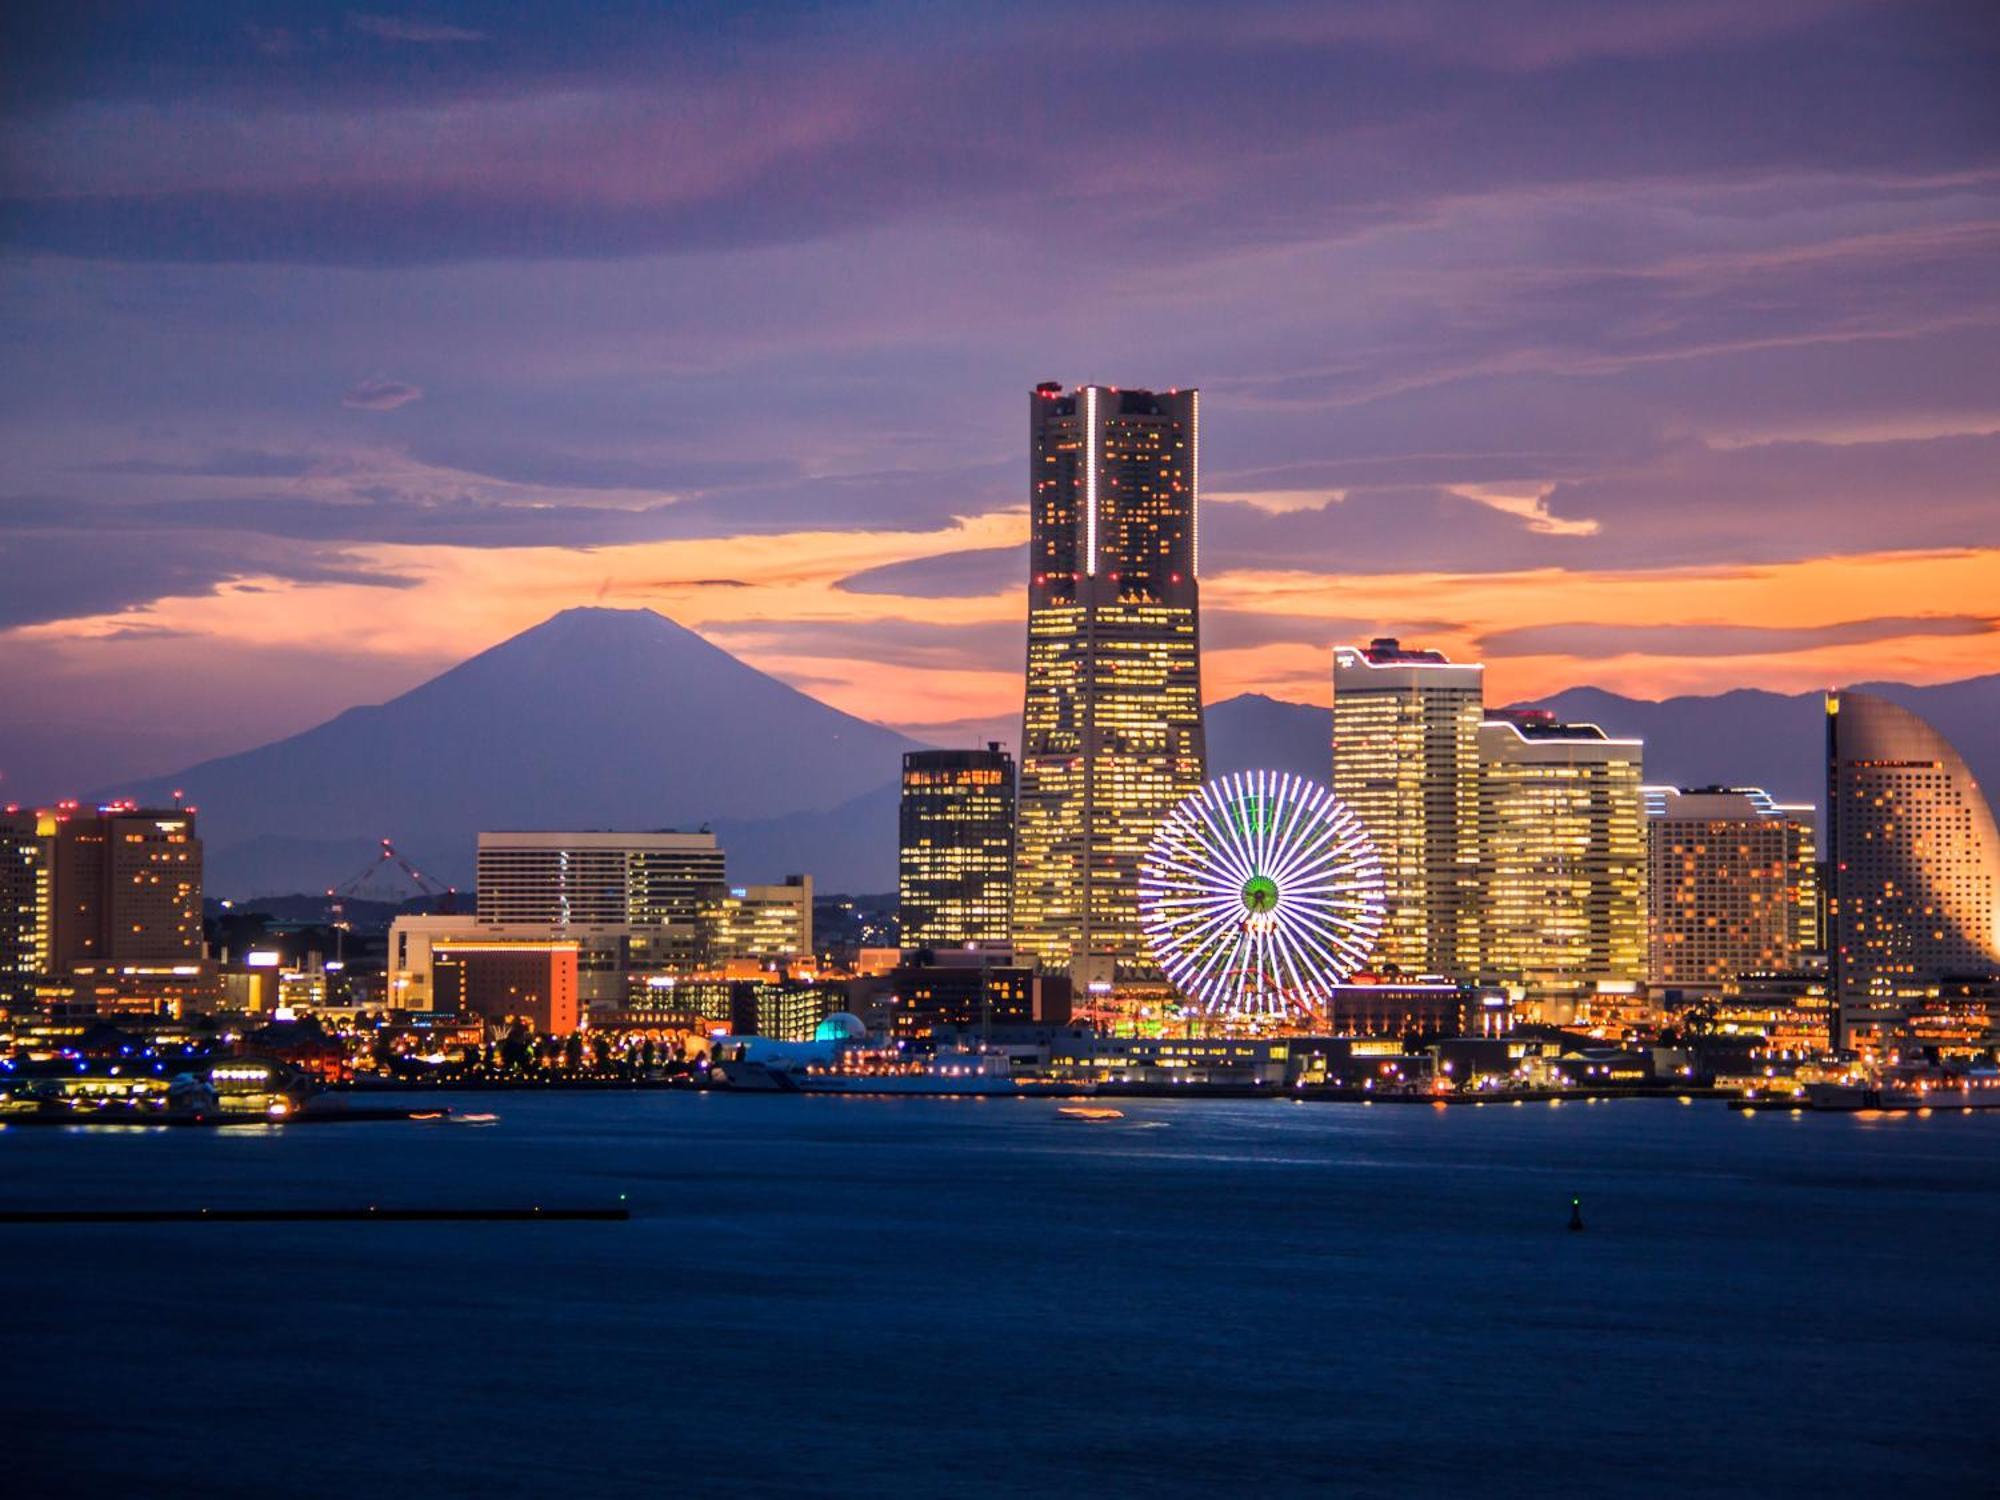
pixel 1260 893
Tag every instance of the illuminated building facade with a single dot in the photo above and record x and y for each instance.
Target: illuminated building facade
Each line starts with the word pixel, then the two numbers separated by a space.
pixel 951 990
pixel 26 914
pixel 1732 885
pixel 782 1010
pixel 598 879
pixel 1406 760
pixel 413 939
pixel 955 862
pixel 632 900
pixel 533 982
pixel 125 886
pixel 1914 860
pixel 1562 859
pixel 770 925
pixel 1111 728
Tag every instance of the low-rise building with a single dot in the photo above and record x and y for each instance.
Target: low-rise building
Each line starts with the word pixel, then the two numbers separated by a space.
pixel 527 981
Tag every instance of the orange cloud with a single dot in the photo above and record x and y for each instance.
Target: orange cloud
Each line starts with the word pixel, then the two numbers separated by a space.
pixel 464 599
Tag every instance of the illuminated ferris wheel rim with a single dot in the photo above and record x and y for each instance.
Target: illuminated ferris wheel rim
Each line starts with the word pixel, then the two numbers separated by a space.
pixel 1260 893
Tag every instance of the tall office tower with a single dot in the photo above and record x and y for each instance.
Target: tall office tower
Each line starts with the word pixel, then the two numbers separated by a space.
pixel 955 868
pixel 645 880
pixel 1112 729
pixel 126 886
pixel 1914 861
pixel 1732 885
pixel 1562 857
pixel 1406 760
pixel 26 913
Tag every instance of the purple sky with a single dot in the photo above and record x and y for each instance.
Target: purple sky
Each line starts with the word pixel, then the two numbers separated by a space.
pixel 1651 344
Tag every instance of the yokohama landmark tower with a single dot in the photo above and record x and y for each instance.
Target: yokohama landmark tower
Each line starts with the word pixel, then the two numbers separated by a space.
pixel 1111 733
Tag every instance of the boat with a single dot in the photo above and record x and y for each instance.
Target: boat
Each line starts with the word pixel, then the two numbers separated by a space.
pixel 949 1073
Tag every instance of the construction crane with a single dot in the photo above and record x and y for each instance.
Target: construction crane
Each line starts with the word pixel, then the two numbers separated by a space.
pixel 338 896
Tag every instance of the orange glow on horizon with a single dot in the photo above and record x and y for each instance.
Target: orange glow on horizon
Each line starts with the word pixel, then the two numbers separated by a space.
pixel 460 601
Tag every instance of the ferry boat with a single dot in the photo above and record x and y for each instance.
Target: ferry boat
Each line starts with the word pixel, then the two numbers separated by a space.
pixel 949 1073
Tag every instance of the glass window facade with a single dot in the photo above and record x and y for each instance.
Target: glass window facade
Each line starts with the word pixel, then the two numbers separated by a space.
pixel 1112 728
pixel 955 861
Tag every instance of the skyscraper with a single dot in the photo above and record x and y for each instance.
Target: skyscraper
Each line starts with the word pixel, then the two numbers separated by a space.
pixel 1112 728
pixel 955 872
pixel 1562 857
pixel 1914 860
pixel 1406 760
pixel 25 904
pixel 126 885
pixel 1732 885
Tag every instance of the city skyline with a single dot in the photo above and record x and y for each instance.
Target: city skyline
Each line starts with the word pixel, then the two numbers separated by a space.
pixel 581 816
pixel 1678 408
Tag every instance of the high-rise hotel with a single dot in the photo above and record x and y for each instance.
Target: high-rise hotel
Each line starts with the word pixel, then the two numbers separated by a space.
pixel 1112 728
pixel 1732 885
pixel 1914 879
pixel 1563 858
pixel 1406 760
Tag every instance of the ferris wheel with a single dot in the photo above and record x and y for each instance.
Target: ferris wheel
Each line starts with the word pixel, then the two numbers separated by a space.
pixel 1260 893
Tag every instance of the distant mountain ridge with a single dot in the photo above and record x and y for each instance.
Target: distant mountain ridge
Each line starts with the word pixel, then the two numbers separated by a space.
pixel 1747 737
pixel 602 718
pixel 596 718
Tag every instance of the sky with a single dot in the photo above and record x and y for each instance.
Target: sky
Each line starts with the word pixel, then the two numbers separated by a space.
pixel 1650 344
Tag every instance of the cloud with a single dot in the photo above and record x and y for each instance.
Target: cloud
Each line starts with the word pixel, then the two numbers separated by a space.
pixel 52 575
pixel 234 463
pixel 1597 641
pixel 656 136
pixel 378 394
pixel 1768 501
pixel 1683 504
pixel 984 646
pixel 946 575
pixel 405 29
pixel 1245 629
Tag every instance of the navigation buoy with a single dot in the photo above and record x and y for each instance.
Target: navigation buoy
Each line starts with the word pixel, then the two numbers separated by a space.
pixel 1576 1213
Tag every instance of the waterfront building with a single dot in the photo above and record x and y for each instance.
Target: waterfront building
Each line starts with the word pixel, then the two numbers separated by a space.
pixel 1406 760
pixel 971 991
pixel 1112 726
pixel 1732 885
pixel 1562 861
pixel 508 980
pixel 1913 859
pixel 26 914
pixel 1789 1012
pixel 633 902
pixel 100 910
pixel 769 925
pixel 955 860
pixel 785 1010
pixel 608 956
pixel 412 942
pixel 125 884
